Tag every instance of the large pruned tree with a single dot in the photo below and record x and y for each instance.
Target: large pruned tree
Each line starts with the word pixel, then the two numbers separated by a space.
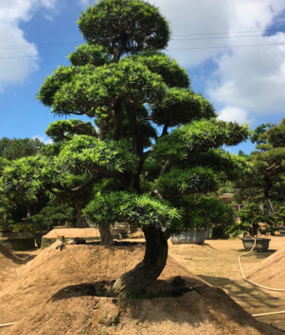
pixel 141 103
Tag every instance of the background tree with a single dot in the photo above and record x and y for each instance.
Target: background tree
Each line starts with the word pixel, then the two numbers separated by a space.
pixel 150 127
pixel 264 180
pixel 10 150
pixel 16 148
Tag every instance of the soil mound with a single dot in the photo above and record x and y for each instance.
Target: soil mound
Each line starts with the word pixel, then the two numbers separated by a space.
pixel 73 232
pixel 270 272
pixel 208 311
pixel 7 259
pixel 3 276
pixel 54 294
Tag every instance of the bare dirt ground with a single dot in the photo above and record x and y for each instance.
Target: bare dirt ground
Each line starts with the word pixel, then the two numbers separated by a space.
pixel 57 292
pixel 217 263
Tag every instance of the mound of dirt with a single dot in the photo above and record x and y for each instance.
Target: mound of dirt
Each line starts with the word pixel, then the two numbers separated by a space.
pixel 208 311
pixel 73 232
pixel 203 250
pixel 54 294
pixel 3 276
pixel 7 259
pixel 270 272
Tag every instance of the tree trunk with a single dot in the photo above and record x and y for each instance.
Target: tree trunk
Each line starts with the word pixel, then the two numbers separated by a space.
pixel 105 234
pixel 80 221
pixel 146 272
pixel 6 226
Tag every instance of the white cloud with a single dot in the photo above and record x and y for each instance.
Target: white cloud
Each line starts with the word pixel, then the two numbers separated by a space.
pixel 235 114
pixel 248 78
pixel 191 23
pixel 18 56
pixel 84 3
pixel 43 139
pixel 252 78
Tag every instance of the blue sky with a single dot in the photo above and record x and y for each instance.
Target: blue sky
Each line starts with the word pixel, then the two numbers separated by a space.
pixel 234 52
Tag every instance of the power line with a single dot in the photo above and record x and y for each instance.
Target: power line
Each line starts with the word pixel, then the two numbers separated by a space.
pixel 214 38
pixel 46 45
pixel 232 32
pixel 171 49
pixel 194 36
pixel 229 46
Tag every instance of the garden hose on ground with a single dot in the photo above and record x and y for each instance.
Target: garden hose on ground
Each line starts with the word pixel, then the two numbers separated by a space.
pixel 255 284
pixel 7 324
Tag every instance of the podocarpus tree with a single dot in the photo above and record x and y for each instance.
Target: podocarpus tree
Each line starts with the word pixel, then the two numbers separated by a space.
pixel 15 205
pixel 265 177
pixel 141 98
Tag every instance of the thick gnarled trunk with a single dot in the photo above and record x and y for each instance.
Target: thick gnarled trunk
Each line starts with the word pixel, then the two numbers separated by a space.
pixel 146 272
pixel 105 234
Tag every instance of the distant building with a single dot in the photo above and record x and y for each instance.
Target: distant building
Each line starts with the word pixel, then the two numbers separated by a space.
pixel 228 198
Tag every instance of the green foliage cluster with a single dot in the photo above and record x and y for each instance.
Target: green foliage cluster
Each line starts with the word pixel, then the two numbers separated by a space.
pixel 11 149
pixel 124 25
pixel 133 208
pixel 265 177
pixel 249 219
pixel 49 216
pixel 206 212
pixel 279 216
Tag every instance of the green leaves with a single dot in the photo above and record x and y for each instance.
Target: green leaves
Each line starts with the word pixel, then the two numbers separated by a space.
pixel 180 106
pixel 173 75
pixel 124 26
pixel 89 90
pixel 85 54
pixel 178 182
pixel 86 154
pixel 138 209
pixel 267 165
pixel 197 137
pixel 249 218
pixel 18 181
pixel 205 212
pixel 64 130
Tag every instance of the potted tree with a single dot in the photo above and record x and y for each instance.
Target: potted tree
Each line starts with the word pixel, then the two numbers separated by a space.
pixel 248 222
pixel 199 217
pixel 279 218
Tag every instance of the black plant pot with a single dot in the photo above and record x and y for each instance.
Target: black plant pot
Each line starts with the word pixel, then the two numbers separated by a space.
pixel 191 236
pixel 262 244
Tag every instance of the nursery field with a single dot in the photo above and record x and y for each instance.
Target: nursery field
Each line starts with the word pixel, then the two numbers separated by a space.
pixel 199 292
pixel 217 263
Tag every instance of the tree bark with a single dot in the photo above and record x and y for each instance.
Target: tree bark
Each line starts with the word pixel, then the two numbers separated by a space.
pixel 105 234
pixel 6 226
pixel 146 272
pixel 80 221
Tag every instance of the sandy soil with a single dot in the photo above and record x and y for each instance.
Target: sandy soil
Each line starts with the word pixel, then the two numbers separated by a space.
pixel 217 263
pixel 52 291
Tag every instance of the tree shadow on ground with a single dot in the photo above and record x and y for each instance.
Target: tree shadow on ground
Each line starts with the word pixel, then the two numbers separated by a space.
pixel 246 292
pixel 162 302
pixel 25 257
pixel 160 289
